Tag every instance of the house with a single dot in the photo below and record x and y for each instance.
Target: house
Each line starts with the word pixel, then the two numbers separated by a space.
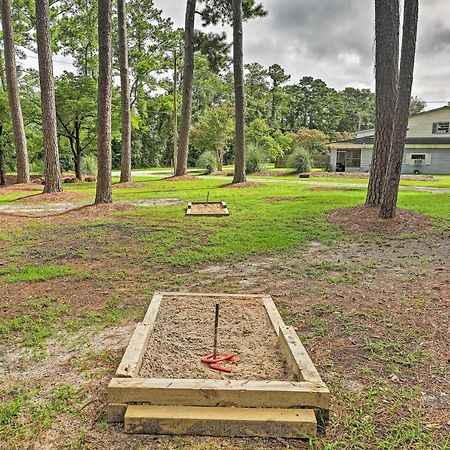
pixel 427 148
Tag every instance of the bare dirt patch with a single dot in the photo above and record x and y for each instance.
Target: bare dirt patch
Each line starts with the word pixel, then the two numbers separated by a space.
pixel 184 332
pixel 4 190
pixel 245 184
pixel 281 199
pixel 159 202
pixel 363 219
pixel 81 295
pixel 55 197
pixel 333 188
pixel 180 178
pixel 129 184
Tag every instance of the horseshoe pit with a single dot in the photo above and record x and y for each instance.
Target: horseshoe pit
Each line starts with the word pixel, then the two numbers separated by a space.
pixel 268 387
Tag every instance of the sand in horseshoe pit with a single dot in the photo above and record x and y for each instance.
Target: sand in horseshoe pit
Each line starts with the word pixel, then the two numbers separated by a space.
pixel 184 332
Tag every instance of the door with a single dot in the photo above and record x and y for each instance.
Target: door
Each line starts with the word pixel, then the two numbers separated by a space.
pixel 340 161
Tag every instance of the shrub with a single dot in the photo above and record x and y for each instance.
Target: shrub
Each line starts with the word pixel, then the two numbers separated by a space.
pixel 208 161
pixel 300 161
pixel 89 165
pixel 255 159
pixel 37 167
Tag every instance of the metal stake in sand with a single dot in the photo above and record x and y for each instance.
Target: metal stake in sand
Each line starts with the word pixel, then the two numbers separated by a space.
pixel 207 198
pixel 216 329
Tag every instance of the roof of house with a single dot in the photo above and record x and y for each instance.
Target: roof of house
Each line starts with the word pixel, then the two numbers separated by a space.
pixel 409 140
pixel 432 110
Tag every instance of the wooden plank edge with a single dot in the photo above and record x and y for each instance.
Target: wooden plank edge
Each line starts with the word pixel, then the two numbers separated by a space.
pixel 297 357
pixel 274 315
pixel 204 294
pixel 152 310
pixel 132 359
pixel 287 423
pixel 190 392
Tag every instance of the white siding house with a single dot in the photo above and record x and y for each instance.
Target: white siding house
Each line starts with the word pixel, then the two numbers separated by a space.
pixel 427 148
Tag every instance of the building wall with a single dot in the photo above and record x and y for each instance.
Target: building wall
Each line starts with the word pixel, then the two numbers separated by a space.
pixel 333 158
pixel 440 161
pixel 422 125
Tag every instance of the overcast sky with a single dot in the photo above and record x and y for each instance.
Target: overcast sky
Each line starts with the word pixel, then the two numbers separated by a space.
pixel 334 40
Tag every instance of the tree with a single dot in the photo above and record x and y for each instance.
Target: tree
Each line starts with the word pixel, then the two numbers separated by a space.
pixel 77 34
pixel 387 24
pixel 278 76
pixel 20 141
pixel 188 80
pixel 256 91
pixel 76 113
pixel 238 65
pixel 214 132
pixel 125 172
pixel 392 181
pixel 104 157
pixel 417 105
pixel 52 172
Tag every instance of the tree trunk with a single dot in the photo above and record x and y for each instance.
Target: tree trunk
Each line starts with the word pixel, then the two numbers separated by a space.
pixel 104 193
pixel 175 110
pixel 2 72
pixel 52 171
pixel 188 79
pixel 20 141
pixel 238 65
pixel 387 24
pixel 78 152
pixel 390 194
pixel 125 167
pixel 2 160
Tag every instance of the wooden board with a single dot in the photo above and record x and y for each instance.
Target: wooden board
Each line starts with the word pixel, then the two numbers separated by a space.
pixel 184 392
pixel 207 406
pixel 132 359
pixel 297 357
pixel 206 209
pixel 288 423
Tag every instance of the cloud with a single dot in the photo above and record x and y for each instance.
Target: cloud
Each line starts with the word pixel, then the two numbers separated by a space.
pixel 334 40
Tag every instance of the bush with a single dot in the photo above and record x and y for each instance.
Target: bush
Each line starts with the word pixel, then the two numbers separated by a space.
pixel 255 159
pixel 89 165
pixel 300 161
pixel 208 161
pixel 37 167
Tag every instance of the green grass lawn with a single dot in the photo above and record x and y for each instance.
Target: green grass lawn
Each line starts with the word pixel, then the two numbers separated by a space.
pixel 70 280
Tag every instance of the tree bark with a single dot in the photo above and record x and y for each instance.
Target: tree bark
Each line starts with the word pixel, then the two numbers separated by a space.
pixel 238 65
pixel 188 79
pixel 175 110
pixel 387 25
pixel 392 182
pixel 2 160
pixel 125 167
pixel 78 152
pixel 20 141
pixel 52 171
pixel 104 157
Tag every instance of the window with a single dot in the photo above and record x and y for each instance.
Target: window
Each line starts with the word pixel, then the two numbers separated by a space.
pixel 418 159
pixel 441 127
pixel 353 158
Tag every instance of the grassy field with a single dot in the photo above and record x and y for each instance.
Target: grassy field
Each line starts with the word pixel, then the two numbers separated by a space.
pixel 371 308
